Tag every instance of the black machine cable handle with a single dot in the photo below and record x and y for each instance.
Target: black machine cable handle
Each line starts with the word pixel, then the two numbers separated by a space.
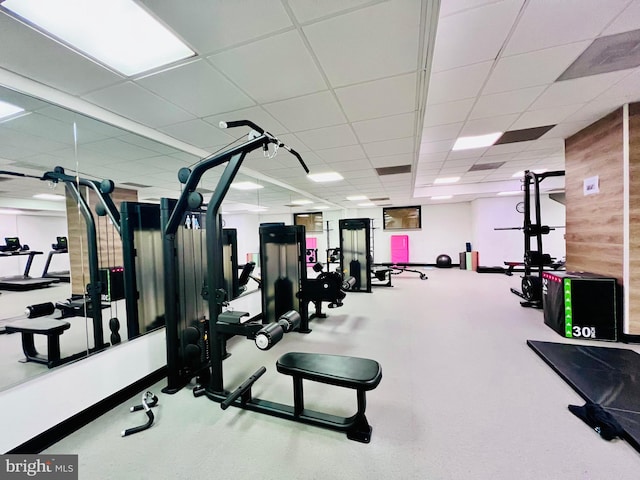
pixel 261 131
pixel 149 400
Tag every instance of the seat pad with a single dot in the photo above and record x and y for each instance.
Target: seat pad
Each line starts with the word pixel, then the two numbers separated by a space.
pixel 38 325
pixel 342 371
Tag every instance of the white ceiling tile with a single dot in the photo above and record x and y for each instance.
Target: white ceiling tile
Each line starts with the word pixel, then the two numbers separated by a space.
pixel 457 36
pixel 541 67
pixel 505 102
pixel 626 90
pixel 385 128
pixel 255 114
pixel 594 111
pixel 292 75
pixel 457 83
pixel 117 149
pixel 369 43
pixel 438 156
pixel 307 10
pixel 136 103
pixel 306 113
pixel 466 162
pixel 380 98
pixel 506 153
pixel 450 112
pixel 545 116
pixel 392 160
pixel 466 154
pixel 578 90
pixel 37 57
pixel 389 147
pixel 428 148
pixel 340 154
pixel 484 126
pixel 628 19
pixel 441 132
pixel 198 133
pixel 206 26
pixel 198 88
pixel 351 165
pixel 328 137
pixel 545 24
pixel 449 7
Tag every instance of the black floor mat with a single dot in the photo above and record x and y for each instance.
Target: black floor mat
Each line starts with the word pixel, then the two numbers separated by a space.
pixel 607 376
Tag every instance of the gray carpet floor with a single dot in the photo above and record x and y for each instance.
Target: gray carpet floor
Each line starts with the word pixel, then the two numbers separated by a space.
pixel 462 397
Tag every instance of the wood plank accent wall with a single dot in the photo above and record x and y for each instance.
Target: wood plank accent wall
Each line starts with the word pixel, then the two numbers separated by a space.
pixel 634 220
pixel 594 234
pixel 109 244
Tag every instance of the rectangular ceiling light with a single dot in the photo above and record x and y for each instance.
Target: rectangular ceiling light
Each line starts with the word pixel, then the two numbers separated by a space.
pixel 325 177
pixel 478 141
pixel 245 186
pixel 117 33
pixel 439 181
pixel 367 204
pixel 514 192
pixel 442 197
pixel 302 202
pixel 356 198
pixel 6 109
pixel 49 196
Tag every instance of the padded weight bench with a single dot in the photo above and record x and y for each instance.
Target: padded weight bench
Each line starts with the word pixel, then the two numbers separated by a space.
pixel 50 327
pixel 360 374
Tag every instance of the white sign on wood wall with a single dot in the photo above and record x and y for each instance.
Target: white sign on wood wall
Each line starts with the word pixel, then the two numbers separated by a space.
pixel 591 185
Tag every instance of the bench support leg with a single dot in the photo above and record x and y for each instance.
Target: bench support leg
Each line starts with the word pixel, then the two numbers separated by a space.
pixel 32 355
pixel 360 431
pixel 298 396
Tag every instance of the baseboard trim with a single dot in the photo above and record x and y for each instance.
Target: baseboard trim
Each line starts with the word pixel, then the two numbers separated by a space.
pixel 67 427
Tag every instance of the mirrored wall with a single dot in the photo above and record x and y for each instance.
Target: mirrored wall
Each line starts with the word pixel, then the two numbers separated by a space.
pixel 60 229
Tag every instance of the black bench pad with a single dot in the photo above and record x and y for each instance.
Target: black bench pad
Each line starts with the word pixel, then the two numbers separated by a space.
pixel 45 326
pixel 342 371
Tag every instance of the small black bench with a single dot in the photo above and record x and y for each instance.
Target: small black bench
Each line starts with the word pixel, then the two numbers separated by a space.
pixel 360 374
pixel 50 327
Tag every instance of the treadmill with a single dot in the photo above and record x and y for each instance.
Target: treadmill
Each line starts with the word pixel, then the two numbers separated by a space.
pixel 13 248
pixel 61 246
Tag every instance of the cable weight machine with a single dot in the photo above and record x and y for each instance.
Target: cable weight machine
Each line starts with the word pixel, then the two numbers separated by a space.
pixel 349 372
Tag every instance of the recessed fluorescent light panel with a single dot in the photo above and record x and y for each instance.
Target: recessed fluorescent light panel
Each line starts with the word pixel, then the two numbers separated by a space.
pixel 367 204
pixel 442 197
pixel 325 177
pixel 6 109
pixel 117 33
pixel 357 198
pixel 302 202
pixel 439 181
pixel 49 196
pixel 246 186
pixel 478 141
pixel 518 192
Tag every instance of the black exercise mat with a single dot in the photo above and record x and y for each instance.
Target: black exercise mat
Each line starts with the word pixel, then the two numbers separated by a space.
pixel 607 376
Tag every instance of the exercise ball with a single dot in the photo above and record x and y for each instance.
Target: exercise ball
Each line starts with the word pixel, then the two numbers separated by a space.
pixel 443 261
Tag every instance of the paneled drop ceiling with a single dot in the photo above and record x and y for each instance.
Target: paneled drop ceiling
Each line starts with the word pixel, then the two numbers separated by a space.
pixel 364 88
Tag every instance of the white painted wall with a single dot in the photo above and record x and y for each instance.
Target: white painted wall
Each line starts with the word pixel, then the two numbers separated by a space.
pixel 497 246
pixel 39 232
pixel 42 403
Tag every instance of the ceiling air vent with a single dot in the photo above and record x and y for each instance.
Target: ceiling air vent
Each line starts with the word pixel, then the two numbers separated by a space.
pixel 485 166
pixel 381 199
pixel 524 135
pixel 393 170
pixel 606 54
